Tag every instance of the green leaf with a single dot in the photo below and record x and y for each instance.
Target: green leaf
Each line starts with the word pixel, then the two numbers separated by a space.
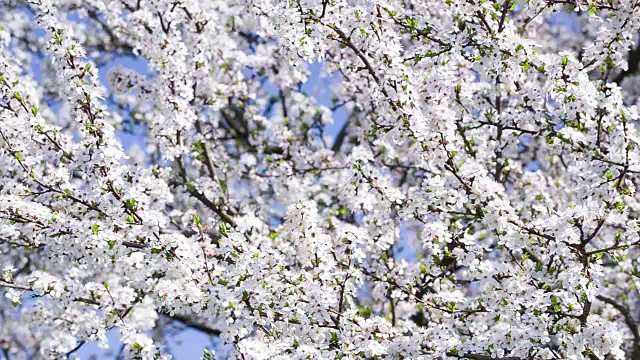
pixel 334 339
pixel 451 307
pixel 95 228
pixel 131 203
pixel 366 312
pixel 131 219
pixel 223 186
pixel 207 355
pixel 525 65
pixel 609 175
pixel 224 230
pixel 412 23
pixel 198 148
pixel 423 269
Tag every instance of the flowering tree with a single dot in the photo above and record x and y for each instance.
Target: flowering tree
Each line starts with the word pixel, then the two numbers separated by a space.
pixel 477 201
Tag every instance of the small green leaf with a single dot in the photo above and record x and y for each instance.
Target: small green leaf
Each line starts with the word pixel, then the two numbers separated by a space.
pixel 131 219
pixel 224 230
pixel 207 355
pixel 366 312
pixel 412 23
pixel 609 175
pixel 131 203
pixel 525 65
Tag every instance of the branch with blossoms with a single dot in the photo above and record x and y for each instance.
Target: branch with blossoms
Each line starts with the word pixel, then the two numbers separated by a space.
pixel 332 179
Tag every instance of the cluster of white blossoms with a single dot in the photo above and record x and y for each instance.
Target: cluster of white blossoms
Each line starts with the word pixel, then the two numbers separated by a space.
pixel 466 190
